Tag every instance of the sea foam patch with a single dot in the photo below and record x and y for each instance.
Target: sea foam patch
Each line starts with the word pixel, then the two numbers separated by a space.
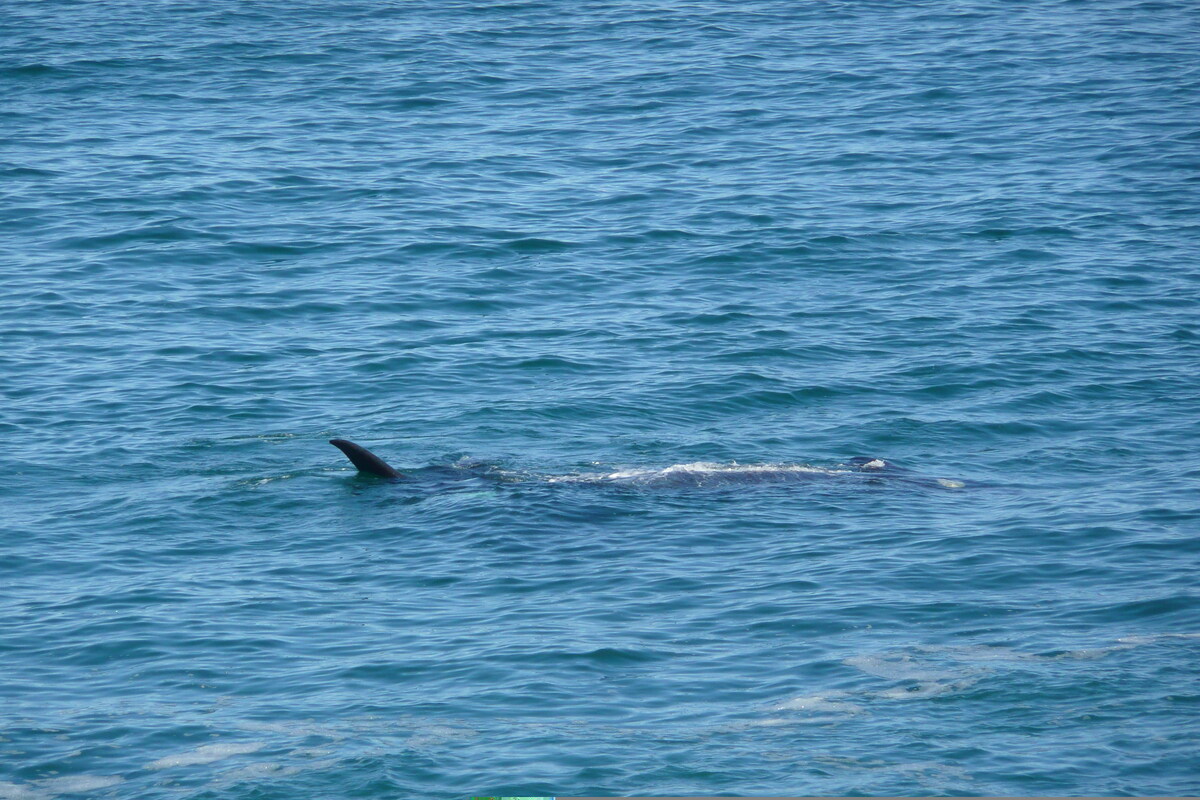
pixel 20 791
pixel 828 703
pixel 207 754
pixel 1124 643
pixel 79 784
pixel 50 788
pixel 926 689
pixel 898 668
pixel 696 470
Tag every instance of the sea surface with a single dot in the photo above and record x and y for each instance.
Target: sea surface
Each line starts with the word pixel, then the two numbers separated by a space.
pixel 624 289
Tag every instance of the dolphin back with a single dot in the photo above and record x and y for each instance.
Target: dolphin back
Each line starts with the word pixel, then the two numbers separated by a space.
pixel 364 459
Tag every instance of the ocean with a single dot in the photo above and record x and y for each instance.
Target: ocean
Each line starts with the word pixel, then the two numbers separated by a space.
pixel 631 293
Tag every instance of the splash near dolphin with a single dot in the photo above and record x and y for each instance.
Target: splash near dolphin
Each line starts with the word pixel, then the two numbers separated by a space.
pixel 699 474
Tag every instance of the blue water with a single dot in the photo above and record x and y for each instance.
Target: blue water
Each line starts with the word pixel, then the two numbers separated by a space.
pixel 624 287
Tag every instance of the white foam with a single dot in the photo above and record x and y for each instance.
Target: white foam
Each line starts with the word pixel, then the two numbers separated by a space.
pixel 876 463
pixel 17 791
pixel 902 668
pixel 821 704
pixel 307 728
pixel 1126 643
pixel 266 769
pixel 770 722
pixel 207 754
pixel 695 468
pixel 78 784
pixel 976 652
pixel 926 689
pixel 1095 652
pixel 946 770
pixel 773 722
pixel 1138 640
pixel 437 734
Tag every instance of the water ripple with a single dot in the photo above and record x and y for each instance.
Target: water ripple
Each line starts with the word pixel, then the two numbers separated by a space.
pixel 633 294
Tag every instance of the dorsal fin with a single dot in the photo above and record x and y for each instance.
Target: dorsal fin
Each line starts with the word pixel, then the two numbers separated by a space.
pixel 364 459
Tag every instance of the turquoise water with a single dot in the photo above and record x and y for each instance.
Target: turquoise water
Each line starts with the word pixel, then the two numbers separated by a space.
pixel 623 287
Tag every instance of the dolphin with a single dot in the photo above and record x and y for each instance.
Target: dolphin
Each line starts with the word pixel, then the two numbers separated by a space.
pixel 365 460
pixel 680 475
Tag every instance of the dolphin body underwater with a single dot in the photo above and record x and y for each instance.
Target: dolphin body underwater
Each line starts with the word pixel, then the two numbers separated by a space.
pixel 690 475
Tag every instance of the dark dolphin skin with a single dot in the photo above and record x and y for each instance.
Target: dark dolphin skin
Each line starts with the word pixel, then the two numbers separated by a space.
pixel 870 469
pixel 365 460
